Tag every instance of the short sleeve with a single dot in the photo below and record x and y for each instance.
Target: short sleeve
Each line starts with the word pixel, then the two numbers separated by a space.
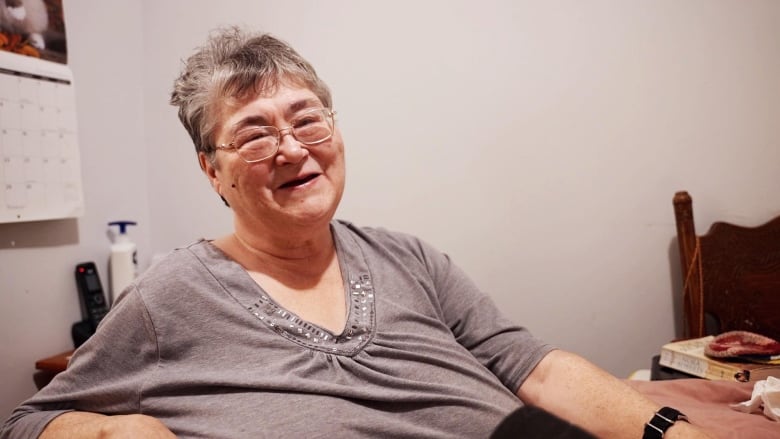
pixel 103 376
pixel 506 348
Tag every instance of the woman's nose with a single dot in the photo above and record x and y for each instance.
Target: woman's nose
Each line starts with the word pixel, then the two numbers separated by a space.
pixel 290 149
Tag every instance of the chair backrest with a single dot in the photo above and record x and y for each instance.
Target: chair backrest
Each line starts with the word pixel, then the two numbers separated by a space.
pixel 731 275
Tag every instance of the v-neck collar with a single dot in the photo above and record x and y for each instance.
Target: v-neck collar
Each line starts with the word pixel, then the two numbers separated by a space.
pixel 359 295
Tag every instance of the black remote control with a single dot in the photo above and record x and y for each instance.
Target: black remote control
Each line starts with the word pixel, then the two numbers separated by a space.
pixel 91 293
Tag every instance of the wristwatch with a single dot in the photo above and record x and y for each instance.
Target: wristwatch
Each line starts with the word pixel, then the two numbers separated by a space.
pixel 661 421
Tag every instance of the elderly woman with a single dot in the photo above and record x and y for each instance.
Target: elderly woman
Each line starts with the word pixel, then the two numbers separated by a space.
pixel 296 324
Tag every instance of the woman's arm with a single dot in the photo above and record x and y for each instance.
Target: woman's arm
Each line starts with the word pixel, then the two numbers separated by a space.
pixel 104 375
pixel 574 389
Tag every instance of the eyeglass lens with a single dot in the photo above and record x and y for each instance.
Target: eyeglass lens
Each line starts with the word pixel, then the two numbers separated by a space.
pixel 259 142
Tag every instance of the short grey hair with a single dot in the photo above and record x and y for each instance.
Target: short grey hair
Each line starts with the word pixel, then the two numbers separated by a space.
pixel 236 64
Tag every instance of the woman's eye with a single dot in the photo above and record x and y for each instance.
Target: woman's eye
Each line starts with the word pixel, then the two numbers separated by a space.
pixel 305 121
pixel 309 119
pixel 252 136
pixel 258 135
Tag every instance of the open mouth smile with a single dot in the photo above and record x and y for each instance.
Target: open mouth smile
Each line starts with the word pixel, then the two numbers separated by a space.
pixel 299 182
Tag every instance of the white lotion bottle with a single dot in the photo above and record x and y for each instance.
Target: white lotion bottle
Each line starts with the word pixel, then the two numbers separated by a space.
pixel 122 264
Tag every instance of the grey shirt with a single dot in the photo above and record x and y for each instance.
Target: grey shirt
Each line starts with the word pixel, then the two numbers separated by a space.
pixel 196 343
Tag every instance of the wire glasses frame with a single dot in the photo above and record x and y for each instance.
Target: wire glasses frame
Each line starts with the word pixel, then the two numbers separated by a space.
pixel 257 143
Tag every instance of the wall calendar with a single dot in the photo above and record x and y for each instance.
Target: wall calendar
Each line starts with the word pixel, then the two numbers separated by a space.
pixel 40 172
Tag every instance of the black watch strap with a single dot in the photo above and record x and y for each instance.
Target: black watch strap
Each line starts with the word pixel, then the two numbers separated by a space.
pixel 661 421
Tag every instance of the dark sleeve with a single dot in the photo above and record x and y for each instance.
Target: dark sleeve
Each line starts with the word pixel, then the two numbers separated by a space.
pixel 105 375
pixel 507 349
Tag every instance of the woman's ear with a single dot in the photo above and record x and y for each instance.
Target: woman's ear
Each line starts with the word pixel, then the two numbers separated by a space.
pixel 210 170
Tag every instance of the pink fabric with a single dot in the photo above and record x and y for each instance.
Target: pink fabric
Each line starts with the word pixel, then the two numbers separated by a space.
pixel 739 343
pixel 707 405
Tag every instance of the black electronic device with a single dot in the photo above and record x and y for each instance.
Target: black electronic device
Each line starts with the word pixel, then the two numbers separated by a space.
pixel 93 299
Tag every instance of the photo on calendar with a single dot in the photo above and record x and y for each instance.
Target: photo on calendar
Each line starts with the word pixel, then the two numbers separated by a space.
pixel 33 28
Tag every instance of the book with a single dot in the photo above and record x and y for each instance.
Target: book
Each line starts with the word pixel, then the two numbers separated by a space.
pixel 688 356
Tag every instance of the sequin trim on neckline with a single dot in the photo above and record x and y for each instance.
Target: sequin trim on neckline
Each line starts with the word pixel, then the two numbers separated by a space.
pixel 358 330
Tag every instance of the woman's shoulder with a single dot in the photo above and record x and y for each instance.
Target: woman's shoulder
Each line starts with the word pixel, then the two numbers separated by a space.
pixel 375 233
pixel 182 261
pixel 178 254
pixel 387 240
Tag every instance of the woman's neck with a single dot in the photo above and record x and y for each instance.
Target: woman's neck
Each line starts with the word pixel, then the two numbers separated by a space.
pixel 305 253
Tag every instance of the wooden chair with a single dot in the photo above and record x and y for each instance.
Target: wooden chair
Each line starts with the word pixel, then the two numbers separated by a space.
pixel 731 275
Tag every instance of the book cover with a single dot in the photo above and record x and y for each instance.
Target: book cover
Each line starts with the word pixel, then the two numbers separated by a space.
pixel 688 356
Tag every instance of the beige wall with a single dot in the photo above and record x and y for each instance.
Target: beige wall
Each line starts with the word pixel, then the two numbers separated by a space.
pixel 38 299
pixel 538 143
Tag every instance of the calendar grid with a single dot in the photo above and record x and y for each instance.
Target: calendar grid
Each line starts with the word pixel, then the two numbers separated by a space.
pixel 40 171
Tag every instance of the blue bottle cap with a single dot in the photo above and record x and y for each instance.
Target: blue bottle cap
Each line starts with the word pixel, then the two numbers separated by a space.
pixel 122 225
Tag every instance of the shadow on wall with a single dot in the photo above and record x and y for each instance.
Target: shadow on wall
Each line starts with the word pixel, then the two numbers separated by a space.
pixel 675 269
pixel 39 234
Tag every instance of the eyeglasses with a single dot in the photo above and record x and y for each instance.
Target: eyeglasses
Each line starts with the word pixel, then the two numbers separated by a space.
pixel 257 143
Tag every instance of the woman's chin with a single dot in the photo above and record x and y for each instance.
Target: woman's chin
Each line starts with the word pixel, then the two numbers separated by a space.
pixel 309 214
